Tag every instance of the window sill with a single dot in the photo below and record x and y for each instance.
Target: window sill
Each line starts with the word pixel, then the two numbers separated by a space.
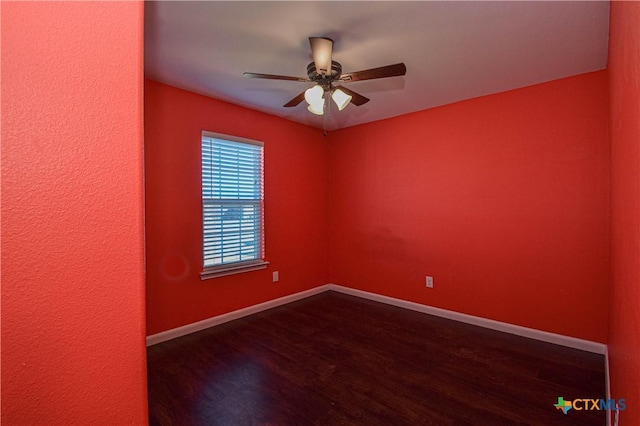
pixel 221 271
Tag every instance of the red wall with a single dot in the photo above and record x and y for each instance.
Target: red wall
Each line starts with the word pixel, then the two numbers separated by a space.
pixel 502 199
pixel 72 214
pixel 296 206
pixel 624 306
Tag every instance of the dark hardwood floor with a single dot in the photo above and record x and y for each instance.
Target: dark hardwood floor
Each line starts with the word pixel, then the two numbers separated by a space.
pixel 334 359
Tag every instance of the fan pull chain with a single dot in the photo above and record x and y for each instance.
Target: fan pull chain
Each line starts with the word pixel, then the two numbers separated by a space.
pixel 327 109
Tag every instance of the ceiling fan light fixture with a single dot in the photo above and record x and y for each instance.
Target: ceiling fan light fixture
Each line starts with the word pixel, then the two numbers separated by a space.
pixel 315 99
pixel 340 98
pixel 324 73
pixel 317 108
pixel 313 95
pixel 321 49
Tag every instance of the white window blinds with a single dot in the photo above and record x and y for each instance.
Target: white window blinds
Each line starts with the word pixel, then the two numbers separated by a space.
pixel 232 201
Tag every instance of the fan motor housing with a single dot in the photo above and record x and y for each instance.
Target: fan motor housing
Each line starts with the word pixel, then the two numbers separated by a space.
pixel 312 72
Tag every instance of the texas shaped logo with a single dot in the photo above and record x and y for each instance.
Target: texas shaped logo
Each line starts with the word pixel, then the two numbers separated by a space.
pixel 563 405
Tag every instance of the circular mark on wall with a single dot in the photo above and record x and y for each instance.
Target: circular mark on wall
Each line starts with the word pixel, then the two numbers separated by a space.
pixel 174 266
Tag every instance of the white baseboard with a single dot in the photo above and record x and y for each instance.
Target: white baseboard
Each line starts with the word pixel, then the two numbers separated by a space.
pixel 230 316
pixel 558 339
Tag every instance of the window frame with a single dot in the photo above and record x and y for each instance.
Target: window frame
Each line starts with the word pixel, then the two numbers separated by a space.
pixel 237 267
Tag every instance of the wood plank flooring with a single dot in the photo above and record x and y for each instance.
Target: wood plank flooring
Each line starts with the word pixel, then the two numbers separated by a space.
pixel 334 359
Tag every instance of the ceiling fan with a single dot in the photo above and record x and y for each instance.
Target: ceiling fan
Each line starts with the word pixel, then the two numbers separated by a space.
pixel 325 72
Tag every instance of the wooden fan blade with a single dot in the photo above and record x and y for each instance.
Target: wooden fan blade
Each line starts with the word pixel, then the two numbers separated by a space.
pixel 394 70
pixel 321 50
pixel 295 101
pixel 356 98
pixel 273 77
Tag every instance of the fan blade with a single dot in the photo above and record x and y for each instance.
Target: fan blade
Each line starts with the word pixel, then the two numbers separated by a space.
pixel 321 50
pixel 295 101
pixel 273 77
pixel 356 98
pixel 394 70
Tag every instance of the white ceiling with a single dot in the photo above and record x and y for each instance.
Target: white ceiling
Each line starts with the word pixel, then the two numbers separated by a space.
pixel 453 50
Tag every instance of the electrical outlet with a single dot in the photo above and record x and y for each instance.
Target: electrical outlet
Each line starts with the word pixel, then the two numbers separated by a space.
pixel 276 276
pixel 429 282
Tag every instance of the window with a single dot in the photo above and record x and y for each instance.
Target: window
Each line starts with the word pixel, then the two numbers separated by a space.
pixel 232 205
